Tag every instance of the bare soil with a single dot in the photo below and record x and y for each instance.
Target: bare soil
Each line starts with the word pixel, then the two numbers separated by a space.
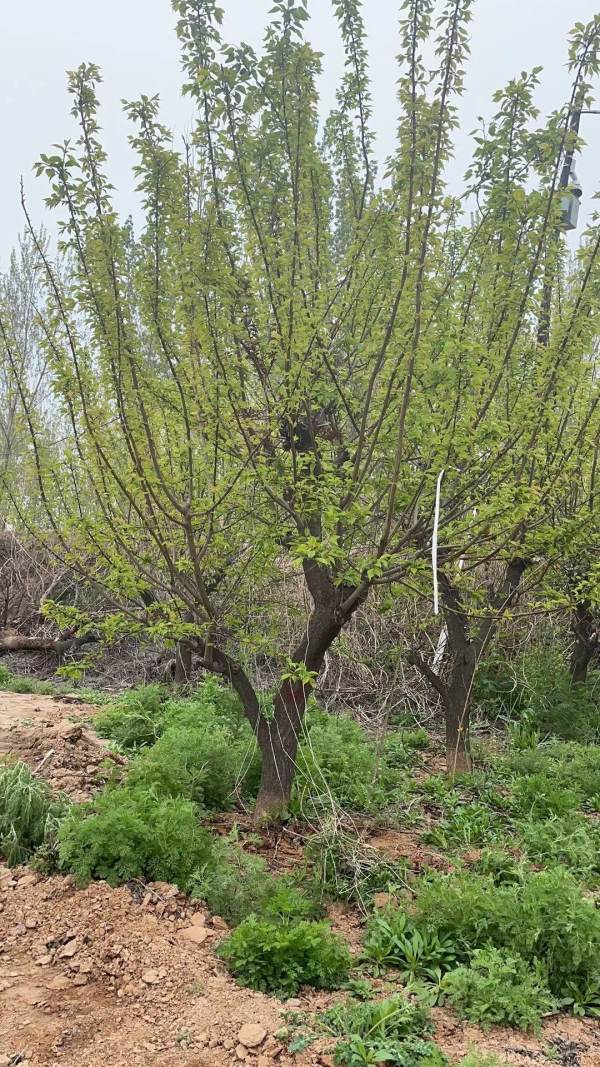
pixel 102 977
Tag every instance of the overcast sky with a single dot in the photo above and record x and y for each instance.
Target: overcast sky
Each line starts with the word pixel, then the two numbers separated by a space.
pixel 134 43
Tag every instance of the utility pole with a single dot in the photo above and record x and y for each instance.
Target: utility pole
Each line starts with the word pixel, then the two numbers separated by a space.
pixel 570 203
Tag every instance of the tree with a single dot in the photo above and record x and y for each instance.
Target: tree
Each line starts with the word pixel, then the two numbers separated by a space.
pixel 261 388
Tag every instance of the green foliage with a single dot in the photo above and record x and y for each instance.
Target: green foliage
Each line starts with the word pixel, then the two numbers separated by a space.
pixel 279 958
pixel 337 760
pixel 468 825
pixel 570 841
pixel 393 940
pixel 496 987
pixel 538 796
pixel 204 764
pixel 135 719
pixel 570 766
pixel 545 917
pixel 399 746
pixel 237 885
pixel 347 868
pixel 125 834
pixel 30 815
pixel 537 691
pixel 15 683
pixel 391 1031
pixel 501 866
pixel 199 748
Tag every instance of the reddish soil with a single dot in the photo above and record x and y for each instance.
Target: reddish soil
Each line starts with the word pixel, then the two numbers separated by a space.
pixel 51 736
pixel 128 977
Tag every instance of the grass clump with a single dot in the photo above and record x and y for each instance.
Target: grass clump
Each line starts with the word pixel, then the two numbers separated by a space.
pixel 15 683
pixel 569 841
pixel 393 940
pixel 391 1031
pixel 237 885
pixel 337 760
pixel 280 957
pixel 496 987
pixel 539 796
pixel 545 917
pixel 537 691
pixel 468 825
pixel 346 867
pixel 30 814
pixel 124 834
pixel 136 719
pixel 203 764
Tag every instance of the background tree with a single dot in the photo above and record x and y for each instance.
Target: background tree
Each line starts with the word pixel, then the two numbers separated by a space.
pixel 262 387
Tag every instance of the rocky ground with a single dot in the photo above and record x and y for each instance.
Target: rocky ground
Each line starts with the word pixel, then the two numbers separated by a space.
pixel 102 977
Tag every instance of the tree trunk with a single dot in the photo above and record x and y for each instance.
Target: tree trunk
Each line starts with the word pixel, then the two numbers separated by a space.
pixel 58 646
pixel 586 643
pixel 278 739
pixel 457 714
pixel 183 663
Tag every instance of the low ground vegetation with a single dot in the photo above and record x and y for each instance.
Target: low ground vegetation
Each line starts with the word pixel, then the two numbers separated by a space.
pixel 508 935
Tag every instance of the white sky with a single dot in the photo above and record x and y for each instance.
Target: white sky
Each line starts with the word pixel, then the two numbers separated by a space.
pixel 134 43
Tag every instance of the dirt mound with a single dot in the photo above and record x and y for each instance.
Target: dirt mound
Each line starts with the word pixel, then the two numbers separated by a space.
pixel 92 977
pixel 51 736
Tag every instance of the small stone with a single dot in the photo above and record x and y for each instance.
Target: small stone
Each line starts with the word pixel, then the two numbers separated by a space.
pixel 196 934
pixel 26 880
pixel 31 923
pixel 252 1035
pixel 198 919
pixel 241 1052
pixel 5 1061
pixel 150 977
pixel 44 961
pixel 60 982
pixel 68 950
pixel 69 731
pixel 80 979
pixel 219 923
pixel 326 1061
pixel 293 1002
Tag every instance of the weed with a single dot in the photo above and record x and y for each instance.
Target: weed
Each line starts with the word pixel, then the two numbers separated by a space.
pixel 29 816
pixel 496 987
pixel 347 868
pixel 337 760
pixel 537 796
pixel 393 940
pixel 392 1031
pixel 135 719
pixel 15 683
pixel 545 917
pixel 280 958
pixel 237 885
pixel 570 841
pixel 124 834
pixel 503 867
pixel 467 826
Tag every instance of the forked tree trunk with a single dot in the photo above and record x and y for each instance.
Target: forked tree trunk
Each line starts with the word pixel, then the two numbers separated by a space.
pixel 279 737
pixel 464 650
